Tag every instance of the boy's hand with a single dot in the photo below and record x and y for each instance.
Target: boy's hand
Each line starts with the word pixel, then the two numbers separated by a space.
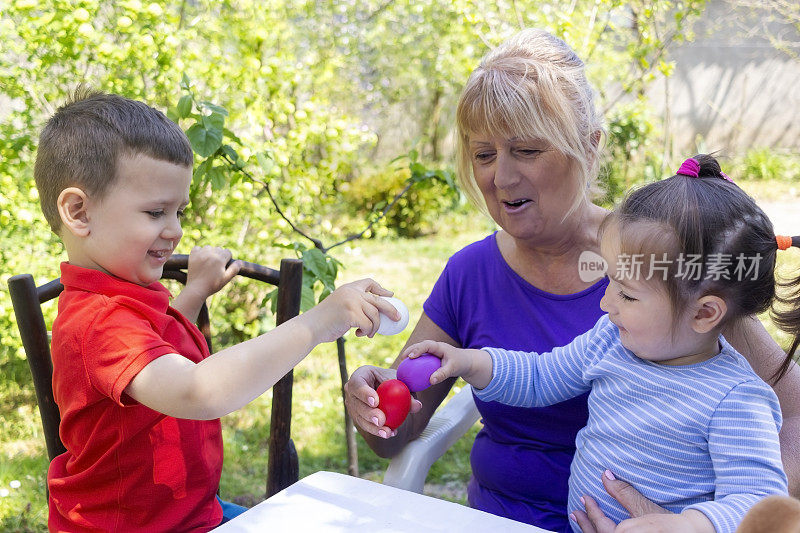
pixel 209 271
pixel 354 305
pixel 475 366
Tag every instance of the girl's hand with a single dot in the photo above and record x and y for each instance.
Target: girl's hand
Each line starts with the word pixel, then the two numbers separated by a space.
pixel 475 366
pixel 209 271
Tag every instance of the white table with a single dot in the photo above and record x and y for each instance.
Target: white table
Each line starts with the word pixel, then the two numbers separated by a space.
pixel 328 501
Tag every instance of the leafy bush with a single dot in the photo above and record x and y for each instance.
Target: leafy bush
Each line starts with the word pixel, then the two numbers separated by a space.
pixel 767 164
pixel 414 215
pixel 631 155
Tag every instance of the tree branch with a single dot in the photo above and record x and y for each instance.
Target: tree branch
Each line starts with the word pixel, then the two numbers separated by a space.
pixel 317 243
pixel 265 185
pixel 382 215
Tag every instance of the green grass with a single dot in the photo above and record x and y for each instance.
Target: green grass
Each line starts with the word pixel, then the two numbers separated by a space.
pixel 409 267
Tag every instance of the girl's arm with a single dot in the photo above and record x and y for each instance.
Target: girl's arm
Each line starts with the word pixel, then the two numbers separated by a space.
pixel 475 366
pixel 752 340
pixel 523 379
pixel 745 454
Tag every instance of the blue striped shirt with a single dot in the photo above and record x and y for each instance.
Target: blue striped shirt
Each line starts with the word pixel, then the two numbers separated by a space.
pixel 702 436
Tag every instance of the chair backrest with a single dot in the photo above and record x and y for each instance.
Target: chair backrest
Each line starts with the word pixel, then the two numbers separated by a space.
pixel 27 298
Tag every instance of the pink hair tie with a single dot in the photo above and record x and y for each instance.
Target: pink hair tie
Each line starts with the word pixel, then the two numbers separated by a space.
pixel 690 168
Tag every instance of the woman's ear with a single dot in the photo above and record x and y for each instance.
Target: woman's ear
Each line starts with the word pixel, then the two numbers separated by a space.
pixel 709 312
pixel 72 208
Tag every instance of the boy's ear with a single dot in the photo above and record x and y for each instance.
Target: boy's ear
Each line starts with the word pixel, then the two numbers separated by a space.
pixel 72 208
pixel 709 312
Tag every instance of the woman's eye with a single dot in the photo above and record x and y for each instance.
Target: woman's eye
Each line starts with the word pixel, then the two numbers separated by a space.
pixel 483 156
pixel 626 297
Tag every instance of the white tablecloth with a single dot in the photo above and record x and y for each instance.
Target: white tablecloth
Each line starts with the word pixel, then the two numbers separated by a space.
pixel 331 502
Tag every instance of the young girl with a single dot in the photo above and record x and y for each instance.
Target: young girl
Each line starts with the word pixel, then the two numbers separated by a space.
pixel 674 409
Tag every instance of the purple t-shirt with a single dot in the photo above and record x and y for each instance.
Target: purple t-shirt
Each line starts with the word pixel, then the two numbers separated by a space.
pixel 521 456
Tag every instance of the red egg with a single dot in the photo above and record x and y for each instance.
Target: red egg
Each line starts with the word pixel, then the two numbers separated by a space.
pixel 394 399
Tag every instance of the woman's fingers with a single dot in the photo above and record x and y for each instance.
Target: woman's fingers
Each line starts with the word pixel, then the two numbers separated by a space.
pixel 583 521
pixel 416 405
pixel 630 498
pixel 361 399
pixel 598 520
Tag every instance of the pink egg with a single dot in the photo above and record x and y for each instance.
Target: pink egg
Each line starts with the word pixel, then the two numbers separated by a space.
pixel 416 373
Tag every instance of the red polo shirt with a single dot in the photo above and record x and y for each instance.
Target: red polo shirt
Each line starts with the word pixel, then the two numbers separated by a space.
pixel 127 467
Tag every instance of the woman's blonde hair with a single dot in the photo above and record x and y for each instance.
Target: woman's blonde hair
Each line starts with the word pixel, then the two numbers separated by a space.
pixel 532 86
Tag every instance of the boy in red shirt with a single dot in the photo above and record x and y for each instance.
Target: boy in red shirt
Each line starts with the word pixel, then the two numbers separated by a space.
pixel 140 396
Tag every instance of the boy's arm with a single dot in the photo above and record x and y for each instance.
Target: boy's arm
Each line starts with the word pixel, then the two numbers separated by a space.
pixel 231 378
pixel 745 453
pixel 208 272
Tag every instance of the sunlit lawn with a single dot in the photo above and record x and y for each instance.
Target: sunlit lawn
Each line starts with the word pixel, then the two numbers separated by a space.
pixel 409 267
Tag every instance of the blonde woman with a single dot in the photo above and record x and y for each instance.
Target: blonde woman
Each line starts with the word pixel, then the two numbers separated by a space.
pixel 528 147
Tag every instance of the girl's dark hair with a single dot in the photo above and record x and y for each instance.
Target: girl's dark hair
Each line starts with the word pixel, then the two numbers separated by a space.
pixel 709 237
pixel 786 314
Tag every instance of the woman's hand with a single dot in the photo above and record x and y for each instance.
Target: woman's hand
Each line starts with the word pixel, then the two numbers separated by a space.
pixel 690 521
pixel 361 400
pixel 594 519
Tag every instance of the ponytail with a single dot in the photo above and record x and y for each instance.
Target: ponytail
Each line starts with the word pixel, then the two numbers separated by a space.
pixel 787 318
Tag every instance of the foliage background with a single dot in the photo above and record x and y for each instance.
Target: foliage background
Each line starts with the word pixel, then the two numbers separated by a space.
pixel 313 85
pixel 320 98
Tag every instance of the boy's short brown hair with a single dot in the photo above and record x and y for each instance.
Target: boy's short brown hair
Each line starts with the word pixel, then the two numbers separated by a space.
pixel 81 144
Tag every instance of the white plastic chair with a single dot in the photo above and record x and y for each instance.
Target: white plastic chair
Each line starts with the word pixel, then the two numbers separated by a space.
pixel 410 467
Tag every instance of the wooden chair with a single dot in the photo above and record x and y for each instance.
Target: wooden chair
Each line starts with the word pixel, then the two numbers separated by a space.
pixel 282 469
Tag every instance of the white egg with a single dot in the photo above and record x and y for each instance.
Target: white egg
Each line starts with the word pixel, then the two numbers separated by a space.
pixel 389 326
